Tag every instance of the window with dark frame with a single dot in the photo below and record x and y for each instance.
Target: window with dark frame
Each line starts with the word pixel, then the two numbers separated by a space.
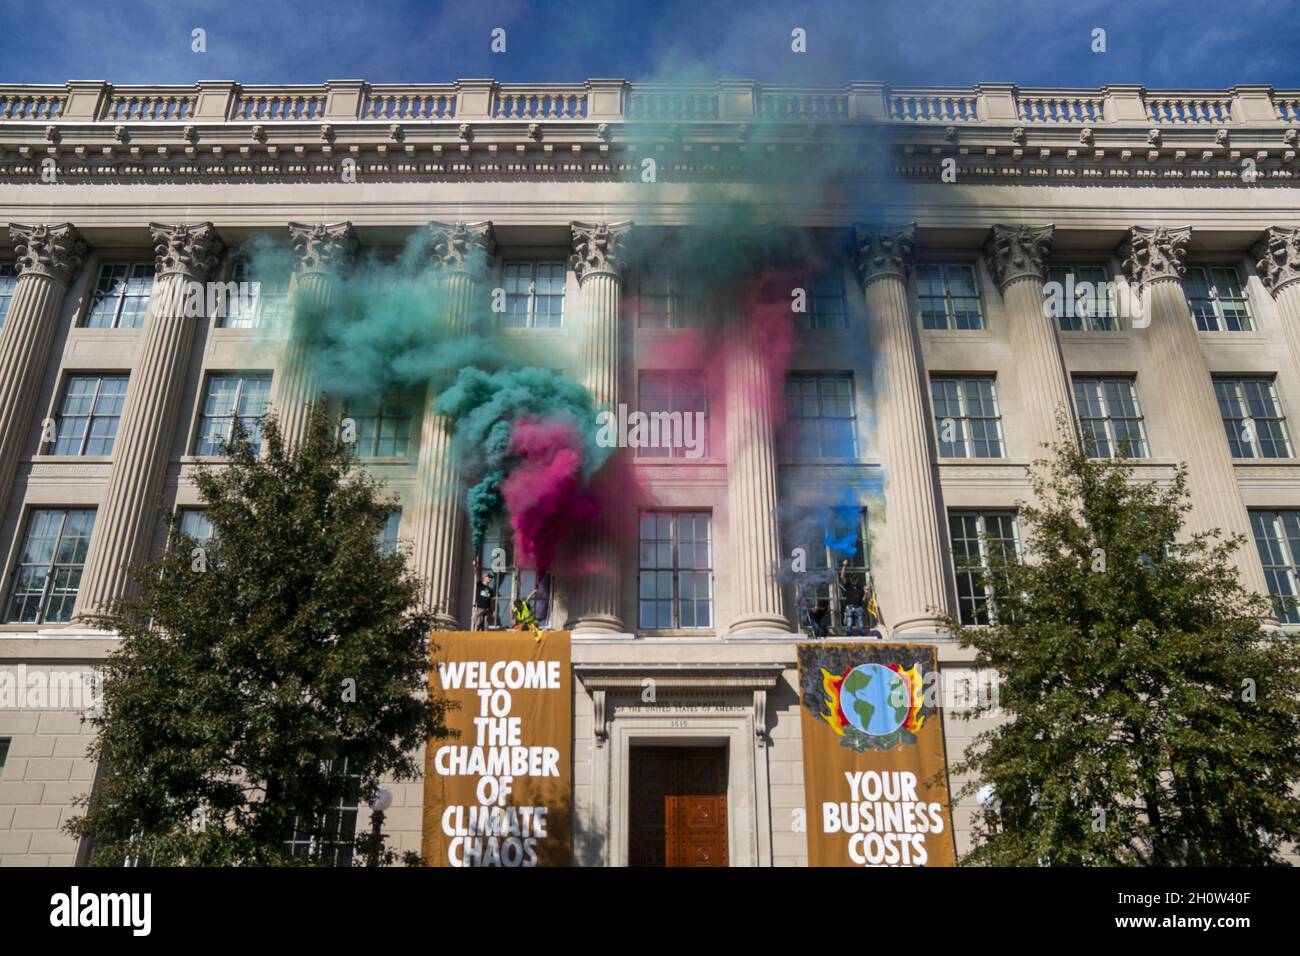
pixel 685 392
pixel 948 294
pixel 821 421
pixel 1277 539
pixel 8 285
pixel 331 841
pixel 120 299
pixel 982 542
pixel 1217 298
pixel 1109 417
pixel 826 309
pixel 383 425
pixel 267 307
pixel 675 570
pixel 842 535
pixel 87 421
pixel 534 293
pixel 967 421
pixel 230 396
pixel 511 580
pixel 1252 416
pixel 668 297
pixel 1089 312
pixel 47 577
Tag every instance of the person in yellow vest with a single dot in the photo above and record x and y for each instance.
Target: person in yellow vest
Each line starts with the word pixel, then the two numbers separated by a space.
pixel 524 617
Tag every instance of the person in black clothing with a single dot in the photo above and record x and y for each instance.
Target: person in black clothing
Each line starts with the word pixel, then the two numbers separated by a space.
pixel 854 595
pixel 484 595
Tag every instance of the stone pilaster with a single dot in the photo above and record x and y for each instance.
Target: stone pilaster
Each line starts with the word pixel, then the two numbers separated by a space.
pixel 323 252
pixel 752 493
pixel 1017 258
pixel 1277 260
pixel 1154 259
pixel 909 555
pixel 49 258
pixel 598 262
pixel 128 512
pixel 462 253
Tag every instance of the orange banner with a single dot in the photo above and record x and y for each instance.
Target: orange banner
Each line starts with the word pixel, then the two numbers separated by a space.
pixel 498 790
pixel 874 769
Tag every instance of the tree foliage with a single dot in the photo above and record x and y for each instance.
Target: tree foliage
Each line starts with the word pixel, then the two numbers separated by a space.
pixel 1146 717
pixel 251 666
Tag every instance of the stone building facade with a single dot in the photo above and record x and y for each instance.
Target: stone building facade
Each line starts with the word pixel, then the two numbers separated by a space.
pixel 954 213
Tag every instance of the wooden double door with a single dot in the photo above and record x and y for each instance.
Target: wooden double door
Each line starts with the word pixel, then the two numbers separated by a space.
pixel 677 810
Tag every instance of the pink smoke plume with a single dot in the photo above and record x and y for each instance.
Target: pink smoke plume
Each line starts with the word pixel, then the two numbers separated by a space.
pixel 544 494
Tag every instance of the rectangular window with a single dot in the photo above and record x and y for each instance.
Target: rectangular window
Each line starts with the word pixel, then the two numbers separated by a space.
pixel 4 754
pixel 1109 417
pixel 1088 298
pixel 1217 299
pixel 675 576
pixel 826 308
pixel 332 840
pixel 8 283
pixel 1277 537
pixel 254 302
pixel 386 539
pixel 88 418
pixel 668 298
pixel 966 418
pixel 684 394
pixel 836 534
pixel 1252 417
pixel 242 395
pixel 196 524
pixel 511 580
pixel 949 296
pixel 534 294
pixel 383 425
pixel 48 575
pixel 821 421
pixel 121 295
pixel 982 543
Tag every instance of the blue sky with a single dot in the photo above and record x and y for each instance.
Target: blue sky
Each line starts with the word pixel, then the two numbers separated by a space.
pixel 1160 43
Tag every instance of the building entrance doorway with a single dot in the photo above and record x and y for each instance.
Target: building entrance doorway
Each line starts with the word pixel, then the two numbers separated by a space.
pixel 677 806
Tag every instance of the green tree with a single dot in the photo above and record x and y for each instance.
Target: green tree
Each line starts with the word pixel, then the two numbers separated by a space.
pixel 255 667
pixel 1147 719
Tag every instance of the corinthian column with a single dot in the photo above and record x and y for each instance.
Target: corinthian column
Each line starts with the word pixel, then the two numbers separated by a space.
pixel 49 258
pixel 1277 256
pixel 125 524
pixel 462 253
pixel 598 263
pixel 1017 258
pixel 752 521
pixel 323 251
pixel 1153 258
pixel 910 573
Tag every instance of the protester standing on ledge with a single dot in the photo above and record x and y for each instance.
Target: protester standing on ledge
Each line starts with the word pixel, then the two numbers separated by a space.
pixel 483 597
pixel 853 593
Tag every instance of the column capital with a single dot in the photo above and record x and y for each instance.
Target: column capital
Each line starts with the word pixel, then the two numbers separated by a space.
pixel 1017 252
pixel 323 247
pixel 190 251
pixel 462 246
pixel 598 248
pixel 879 250
pixel 1277 257
pixel 55 251
pixel 1151 253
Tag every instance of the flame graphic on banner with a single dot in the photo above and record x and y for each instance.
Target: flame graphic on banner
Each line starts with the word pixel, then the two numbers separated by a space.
pixel 912 678
pixel 831 687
